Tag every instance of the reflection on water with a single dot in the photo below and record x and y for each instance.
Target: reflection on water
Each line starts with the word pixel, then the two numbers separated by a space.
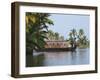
pixel 80 56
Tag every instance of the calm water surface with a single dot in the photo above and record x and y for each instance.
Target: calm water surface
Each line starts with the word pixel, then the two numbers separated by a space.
pixel 80 56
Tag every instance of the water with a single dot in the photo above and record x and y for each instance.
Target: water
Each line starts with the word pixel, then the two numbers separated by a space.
pixel 78 57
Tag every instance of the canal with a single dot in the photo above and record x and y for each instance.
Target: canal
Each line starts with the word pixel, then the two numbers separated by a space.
pixel 78 57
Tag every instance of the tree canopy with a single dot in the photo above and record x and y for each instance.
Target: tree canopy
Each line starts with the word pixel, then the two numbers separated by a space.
pixel 36 29
pixel 78 38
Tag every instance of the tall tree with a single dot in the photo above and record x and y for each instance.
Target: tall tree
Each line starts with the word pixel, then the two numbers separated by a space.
pixel 36 29
pixel 81 33
pixel 79 38
pixel 62 38
pixel 50 35
pixel 72 37
pixel 82 39
pixel 56 36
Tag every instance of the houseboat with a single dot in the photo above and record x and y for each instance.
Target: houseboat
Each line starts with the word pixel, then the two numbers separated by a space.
pixel 57 46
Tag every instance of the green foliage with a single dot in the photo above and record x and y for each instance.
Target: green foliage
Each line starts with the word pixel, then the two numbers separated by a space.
pixel 36 29
pixel 82 39
pixel 61 38
pixel 54 35
pixel 78 38
pixel 72 37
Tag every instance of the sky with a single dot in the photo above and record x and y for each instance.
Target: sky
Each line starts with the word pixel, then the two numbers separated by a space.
pixel 63 23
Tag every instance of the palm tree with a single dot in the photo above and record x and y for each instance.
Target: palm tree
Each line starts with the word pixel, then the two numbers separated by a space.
pixel 74 33
pixel 56 35
pixel 62 38
pixel 81 33
pixel 72 37
pixel 82 39
pixel 50 35
pixel 79 39
pixel 81 36
pixel 36 29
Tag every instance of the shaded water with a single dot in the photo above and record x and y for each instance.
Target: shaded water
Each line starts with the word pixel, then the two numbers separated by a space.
pixel 78 57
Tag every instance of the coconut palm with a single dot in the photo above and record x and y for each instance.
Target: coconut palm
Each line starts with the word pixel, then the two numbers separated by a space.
pixel 61 38
pixel 81 33
pixel 50 35
pixel 36 29
pixel 72 37
pixel 81 36
pixel 56 35
pixel 82 39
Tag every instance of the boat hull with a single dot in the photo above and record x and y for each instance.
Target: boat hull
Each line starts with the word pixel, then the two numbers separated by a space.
pixel 56 49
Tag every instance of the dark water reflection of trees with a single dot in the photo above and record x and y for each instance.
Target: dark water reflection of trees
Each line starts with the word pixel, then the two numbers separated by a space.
pixel 80 56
